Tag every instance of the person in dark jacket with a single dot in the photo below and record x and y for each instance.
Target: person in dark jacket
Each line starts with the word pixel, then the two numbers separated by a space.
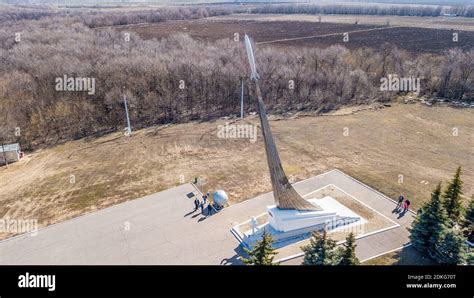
pixel 196 204
pixel 400 201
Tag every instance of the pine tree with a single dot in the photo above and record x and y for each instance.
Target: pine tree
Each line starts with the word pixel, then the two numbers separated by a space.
pixel 432 232
pixel 320 251
pixel 469 221
pixel 347 254
pixel 262 252
pixel 469 216
pixel 451 248
pixel 452 198
pixel 470 257
pixel 426 227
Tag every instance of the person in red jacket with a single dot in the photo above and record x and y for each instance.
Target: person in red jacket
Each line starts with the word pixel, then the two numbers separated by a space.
pixel 406 205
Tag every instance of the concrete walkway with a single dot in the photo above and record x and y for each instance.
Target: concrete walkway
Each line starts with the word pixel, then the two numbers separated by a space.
pixel 163 229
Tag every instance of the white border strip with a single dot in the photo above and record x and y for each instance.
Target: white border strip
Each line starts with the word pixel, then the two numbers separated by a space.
pixel 195 186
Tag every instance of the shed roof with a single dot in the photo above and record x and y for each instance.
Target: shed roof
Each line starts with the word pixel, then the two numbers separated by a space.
pixel 10 147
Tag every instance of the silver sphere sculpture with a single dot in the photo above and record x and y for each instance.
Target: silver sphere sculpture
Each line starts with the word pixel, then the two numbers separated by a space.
pixel 220 198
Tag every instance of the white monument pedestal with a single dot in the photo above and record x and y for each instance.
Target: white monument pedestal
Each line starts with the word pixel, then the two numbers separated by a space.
pixel 288 224
pixel 289 220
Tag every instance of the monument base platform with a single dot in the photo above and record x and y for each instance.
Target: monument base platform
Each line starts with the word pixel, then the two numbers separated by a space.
pixel 289 224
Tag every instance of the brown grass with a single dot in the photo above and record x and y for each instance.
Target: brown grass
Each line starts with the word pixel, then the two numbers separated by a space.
pixel 415 39
pixel 448 23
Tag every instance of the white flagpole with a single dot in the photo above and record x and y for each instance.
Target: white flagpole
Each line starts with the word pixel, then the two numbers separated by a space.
pixel 129 129
pixel 242 99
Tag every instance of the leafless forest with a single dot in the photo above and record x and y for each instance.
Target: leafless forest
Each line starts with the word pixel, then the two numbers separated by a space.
pixel 368 9
pixel 95 17
pixel 54 44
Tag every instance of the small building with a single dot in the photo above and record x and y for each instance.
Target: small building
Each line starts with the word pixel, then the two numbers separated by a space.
pixel 10 152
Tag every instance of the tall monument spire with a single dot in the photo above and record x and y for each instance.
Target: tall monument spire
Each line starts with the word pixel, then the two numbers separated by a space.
pixel 285 195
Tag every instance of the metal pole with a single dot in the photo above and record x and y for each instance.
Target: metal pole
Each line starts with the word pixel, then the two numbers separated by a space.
pixel 4 154
pixel 129 129
pixel 242 100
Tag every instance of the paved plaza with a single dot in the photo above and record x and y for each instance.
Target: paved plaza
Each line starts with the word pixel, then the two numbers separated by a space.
pixel 163 229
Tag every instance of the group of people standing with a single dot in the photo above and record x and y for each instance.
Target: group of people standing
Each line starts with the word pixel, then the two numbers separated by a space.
pixel 200 204
pixel 403 203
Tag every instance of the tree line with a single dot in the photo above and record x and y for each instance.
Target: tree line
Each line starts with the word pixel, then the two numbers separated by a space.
pixel 367 9
pixel 179 79
pixel 101 17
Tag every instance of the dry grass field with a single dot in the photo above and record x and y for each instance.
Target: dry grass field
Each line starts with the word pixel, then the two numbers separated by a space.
pixel 294 32
pixel 380 144
pixel 457 23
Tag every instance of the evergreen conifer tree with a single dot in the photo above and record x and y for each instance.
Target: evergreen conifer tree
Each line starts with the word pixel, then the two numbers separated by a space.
pixel 450 248
pixel 320 251
pixel 428 224
pixel 470 257
pixel 452 198
pixel 347 254
pixel 469 216
pixel 262 252
pixel 469 221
